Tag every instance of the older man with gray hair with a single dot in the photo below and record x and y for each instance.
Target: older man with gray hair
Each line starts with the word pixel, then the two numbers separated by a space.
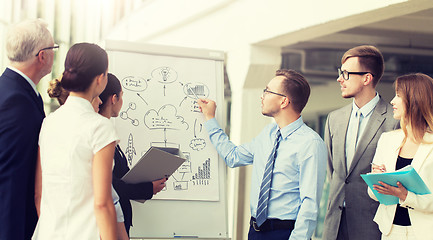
pixel 29 47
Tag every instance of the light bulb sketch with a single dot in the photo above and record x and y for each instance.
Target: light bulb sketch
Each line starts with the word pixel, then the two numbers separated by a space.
pixel 164 75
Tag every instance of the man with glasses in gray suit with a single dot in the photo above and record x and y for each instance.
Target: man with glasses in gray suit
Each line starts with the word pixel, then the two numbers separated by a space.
pixel 351 135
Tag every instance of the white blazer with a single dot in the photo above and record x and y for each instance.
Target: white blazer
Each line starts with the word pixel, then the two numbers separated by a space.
pixel 420 207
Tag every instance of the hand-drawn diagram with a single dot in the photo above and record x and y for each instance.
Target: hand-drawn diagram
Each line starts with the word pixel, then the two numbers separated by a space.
pixel 136 84
pixel 196 90
pixel 179 182
pixel 197 144
pixel 186 166
pixel 130 150
pixel 203 174
pixel 165 118
pixel 139 95
pixel 164 75
pixel 177 116
pixel 124 115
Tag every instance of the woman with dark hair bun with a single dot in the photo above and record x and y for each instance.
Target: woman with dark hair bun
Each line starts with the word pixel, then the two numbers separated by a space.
pixel 73 176
pixel 55 90
pixel 112 101
pixel 83 63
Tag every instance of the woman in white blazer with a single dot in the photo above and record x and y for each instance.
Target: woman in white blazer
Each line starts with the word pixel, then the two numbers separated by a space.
pixel 412 218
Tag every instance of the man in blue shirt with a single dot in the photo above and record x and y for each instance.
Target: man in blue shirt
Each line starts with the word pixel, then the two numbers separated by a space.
pixel 288 158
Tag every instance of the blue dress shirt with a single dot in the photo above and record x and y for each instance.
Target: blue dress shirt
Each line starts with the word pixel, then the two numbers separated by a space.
pixel 299 171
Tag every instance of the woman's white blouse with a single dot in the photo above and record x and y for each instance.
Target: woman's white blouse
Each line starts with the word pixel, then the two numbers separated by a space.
pixel 68 141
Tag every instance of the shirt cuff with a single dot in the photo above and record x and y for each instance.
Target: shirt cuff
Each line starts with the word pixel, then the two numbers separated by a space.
pixel 211 125
pixel 410 199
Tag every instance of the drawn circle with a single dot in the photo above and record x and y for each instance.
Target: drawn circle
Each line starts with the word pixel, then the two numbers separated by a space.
pixel 196 90
pixel 132 106
pixel 164 75
pixel 135 122
pixel 136 84
pixel 124 115
pixel 197 144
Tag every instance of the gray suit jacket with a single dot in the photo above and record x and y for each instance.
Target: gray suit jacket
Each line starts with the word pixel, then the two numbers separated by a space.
pixel 345 182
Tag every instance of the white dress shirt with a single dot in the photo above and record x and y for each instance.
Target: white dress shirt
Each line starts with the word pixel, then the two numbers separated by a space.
pixel 353 137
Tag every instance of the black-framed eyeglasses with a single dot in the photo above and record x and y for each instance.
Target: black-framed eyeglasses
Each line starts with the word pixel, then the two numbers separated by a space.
pixel 268 91
pixel 346 74
pixel 47 48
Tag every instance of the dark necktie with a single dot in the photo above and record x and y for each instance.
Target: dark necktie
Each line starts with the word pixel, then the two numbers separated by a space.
pixel 262 206
pixel 40 102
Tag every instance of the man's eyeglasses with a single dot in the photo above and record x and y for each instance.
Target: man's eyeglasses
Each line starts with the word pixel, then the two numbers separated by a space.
pixel 267 91
pixel 47 48
pixel 346 74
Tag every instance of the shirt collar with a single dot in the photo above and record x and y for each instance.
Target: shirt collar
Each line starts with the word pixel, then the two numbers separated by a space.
pixel 26 78
pixel 367 108
pixel 81 102
pixel 291 128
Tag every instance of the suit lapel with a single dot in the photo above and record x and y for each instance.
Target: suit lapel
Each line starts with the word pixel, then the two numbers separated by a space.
pixel 376 120
pixel 27 88
pixel 343 121
pixel 423 151
pixel 394 147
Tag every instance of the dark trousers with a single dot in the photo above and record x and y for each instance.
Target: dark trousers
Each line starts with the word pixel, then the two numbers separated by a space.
pixel 343 234
pixel 269 235
pixel 272 229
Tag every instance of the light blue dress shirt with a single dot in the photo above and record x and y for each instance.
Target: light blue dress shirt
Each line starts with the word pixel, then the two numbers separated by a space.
pixel 299 171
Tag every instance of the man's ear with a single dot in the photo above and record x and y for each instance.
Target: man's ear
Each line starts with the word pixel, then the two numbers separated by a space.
pixel 368 79
pixel 41 57
pixel 285 102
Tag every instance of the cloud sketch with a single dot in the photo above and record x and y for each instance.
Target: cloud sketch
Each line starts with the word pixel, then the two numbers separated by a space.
pixel 165 118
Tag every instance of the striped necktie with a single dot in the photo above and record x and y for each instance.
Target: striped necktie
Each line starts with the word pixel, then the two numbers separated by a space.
pixel 262 206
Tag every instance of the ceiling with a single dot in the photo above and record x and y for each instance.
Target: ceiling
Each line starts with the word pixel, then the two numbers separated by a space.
pixel 413 31
pixel 410 34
